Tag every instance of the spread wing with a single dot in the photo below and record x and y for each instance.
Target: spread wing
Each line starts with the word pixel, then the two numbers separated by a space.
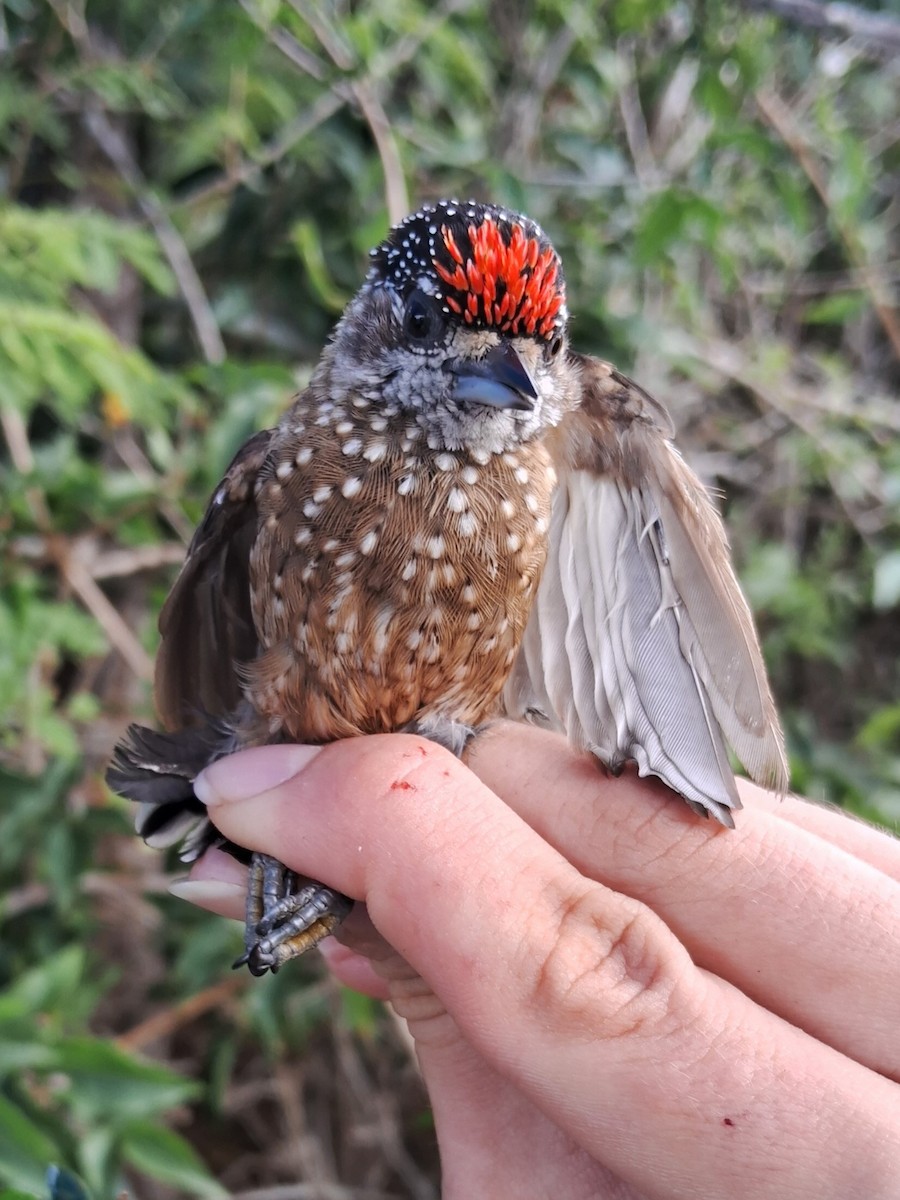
pixel 206 622
pixel 640 644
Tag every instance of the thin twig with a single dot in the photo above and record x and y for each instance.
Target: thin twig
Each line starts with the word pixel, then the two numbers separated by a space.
pixel 113 145
pixel 361 92
pixel 381 67
pixel 878 32
pixel 94 600
pixel 70 568
pixel 164 1024
pixel 778 115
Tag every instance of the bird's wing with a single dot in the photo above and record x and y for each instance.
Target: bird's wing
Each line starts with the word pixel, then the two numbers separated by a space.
pixel 206 622
pixel 640 644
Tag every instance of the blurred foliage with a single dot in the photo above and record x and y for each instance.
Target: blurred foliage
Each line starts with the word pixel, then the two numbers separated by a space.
pixel 189 190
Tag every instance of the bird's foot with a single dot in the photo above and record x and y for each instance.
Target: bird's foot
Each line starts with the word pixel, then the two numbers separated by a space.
pixel 454 736
pixel 285 916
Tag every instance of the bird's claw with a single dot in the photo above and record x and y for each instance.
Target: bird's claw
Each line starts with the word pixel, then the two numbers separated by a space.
pixel 285 917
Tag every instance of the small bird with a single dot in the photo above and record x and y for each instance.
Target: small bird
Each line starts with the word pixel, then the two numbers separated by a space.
pixel 459 518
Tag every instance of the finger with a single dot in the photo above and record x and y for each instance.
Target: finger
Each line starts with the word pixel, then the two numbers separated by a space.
pixel 577 993
pixel 797 923
pixel 216 882
pixel 877 847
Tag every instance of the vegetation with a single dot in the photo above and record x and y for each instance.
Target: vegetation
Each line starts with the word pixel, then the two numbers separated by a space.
pixel 189 190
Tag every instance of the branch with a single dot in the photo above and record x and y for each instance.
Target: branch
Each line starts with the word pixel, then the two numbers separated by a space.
pixel 877 33
pixel 114 147
pixel 779 116
pixel 381 67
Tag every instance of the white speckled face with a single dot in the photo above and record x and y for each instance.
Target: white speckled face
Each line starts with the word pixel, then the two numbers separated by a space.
pixel 451 284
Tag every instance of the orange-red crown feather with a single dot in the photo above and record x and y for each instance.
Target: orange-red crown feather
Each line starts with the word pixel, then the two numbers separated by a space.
pixel 514 285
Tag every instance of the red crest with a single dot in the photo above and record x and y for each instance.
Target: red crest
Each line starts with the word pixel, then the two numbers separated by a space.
pixel 513 285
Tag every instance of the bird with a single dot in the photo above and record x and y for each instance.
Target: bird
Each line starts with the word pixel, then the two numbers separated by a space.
pixel 460 518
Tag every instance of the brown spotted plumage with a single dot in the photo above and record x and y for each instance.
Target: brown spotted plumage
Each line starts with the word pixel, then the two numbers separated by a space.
pixel 459 517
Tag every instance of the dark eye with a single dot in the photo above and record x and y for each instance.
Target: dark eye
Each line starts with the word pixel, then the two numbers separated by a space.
pixel 423 321
pixel 555 346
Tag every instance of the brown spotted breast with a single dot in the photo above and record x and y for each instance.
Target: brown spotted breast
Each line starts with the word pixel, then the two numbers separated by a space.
pixel 389 580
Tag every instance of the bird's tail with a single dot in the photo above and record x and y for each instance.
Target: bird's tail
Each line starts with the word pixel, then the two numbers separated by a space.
pixel 157 772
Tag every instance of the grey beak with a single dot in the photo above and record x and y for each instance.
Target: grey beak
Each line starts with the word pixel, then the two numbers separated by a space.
pixel 499 380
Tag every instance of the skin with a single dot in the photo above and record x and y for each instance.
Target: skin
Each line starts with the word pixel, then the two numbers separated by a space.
pixel 609 997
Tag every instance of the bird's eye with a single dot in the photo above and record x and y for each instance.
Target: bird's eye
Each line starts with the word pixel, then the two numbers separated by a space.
pixel 423 321
pixel 555 346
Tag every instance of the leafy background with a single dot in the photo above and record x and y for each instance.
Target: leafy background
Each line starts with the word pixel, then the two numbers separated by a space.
pixel 189 192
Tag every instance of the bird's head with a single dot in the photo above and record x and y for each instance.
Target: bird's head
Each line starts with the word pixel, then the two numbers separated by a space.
pixel 461 326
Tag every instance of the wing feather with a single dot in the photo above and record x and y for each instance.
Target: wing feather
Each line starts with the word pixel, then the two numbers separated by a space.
pixel 640 644
pixel 206 622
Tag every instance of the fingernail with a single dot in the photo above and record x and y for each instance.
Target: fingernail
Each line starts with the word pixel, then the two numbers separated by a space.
pixel 251 772
pixel 206 891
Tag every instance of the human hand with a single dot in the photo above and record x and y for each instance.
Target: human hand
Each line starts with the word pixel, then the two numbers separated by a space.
pixel 609 997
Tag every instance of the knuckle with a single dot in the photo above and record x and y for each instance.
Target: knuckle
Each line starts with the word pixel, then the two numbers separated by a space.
pixel 608 974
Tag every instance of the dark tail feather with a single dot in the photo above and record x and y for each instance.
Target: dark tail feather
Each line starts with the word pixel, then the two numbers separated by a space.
pixel 157 771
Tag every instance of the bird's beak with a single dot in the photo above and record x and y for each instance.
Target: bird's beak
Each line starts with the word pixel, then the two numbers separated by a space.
pixel 498 380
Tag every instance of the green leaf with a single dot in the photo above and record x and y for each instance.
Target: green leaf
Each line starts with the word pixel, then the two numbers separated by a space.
pixel 106 1082
pixel 25 1150
pixel 166 1156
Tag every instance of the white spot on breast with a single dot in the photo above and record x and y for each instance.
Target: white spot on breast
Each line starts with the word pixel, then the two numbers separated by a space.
pixel 343 428
pixel 321 494
pixel 513 542
pixel 375 451
pixel 351 487
pixel 473 621
pixel 346 559
pixel 468 594
pixel 482 457
pixel 311 510
pixel 449 573
pixel 531 502
pixel 508 509
pixel 521 475
pixel 274 490
pixel 278 608
pixel 435 547
pixel 413 639
pixel 456 500
pixel 412 432
pixel 277 581
pixel 380 629
pixel 331 545
pixel 409 571
pixel 377 424
pixel 444 462
pixel 467 525
pixel 406 484
pixel 284 470
pixel 298 429
pixel 360 402
pixel 303 456
pixel 368 542
pixel 302 535
pixel 541 525
pixel 469 475
pixel 510 460
pixel 352 446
